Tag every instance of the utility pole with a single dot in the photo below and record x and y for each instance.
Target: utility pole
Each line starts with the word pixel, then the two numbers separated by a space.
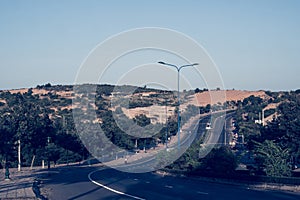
pixel 65 127
pixel 225 133
pixel 166 128
pixel 48 159
pixel 263 117
pixel 19 155
pixel 136 146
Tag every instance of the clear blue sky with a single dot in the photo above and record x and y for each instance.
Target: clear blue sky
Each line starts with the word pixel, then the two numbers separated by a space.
pixel 255 43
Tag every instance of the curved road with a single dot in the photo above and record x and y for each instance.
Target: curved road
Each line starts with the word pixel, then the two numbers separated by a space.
pixel 106 183
pixel 74 183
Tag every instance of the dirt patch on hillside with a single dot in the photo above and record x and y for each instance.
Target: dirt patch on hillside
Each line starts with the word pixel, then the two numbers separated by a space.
pixel 3 101
pixel 21 91
pixel 215 97
pixel 40 92
pixel 272 106
pixel 157 114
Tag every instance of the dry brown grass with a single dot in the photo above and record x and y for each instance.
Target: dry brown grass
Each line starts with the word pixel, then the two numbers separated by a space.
pixel 214 97
pixel 157 113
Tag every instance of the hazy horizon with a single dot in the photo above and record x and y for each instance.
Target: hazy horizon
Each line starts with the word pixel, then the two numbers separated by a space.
pixel 212 89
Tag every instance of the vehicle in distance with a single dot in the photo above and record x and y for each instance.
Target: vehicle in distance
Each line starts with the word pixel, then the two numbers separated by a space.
pixel 208 126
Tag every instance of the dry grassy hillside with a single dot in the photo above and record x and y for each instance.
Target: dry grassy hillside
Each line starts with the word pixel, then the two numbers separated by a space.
pixel 204 98
pixel 158 112
pixel 200 99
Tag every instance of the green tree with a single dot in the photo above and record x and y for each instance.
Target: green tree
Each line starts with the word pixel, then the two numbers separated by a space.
pixel 142 120
pixel 53 152
pixel 220 161
pixel 6 137
pixel 273 159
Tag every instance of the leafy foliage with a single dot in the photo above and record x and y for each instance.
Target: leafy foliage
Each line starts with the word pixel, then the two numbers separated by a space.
pixel 277 145
pixel 220 160
pixel 26 117
pixel 273 159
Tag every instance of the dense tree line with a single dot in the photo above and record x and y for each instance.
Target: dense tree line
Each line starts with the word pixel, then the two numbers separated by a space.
pixel 44 124
pixel 45 127
pixel 27 118
pixel 276 146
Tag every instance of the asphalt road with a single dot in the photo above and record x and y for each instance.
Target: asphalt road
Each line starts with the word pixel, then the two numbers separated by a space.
pixel 106 183
pixel 224 132
pixel 152 161
pixel 76 183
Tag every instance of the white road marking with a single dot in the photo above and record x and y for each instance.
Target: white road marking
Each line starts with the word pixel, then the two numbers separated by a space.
pixel 202 192
pixel 111 189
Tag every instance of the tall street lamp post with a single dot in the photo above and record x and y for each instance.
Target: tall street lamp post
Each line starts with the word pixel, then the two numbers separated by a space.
pixel 178 94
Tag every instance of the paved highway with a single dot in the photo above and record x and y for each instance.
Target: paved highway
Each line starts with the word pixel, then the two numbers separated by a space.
pixel 107 183
pixel 102 183
pixel 152 160
pixel 224 132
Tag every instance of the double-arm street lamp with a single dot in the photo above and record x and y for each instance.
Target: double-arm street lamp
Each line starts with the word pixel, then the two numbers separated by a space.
pixel 178 94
